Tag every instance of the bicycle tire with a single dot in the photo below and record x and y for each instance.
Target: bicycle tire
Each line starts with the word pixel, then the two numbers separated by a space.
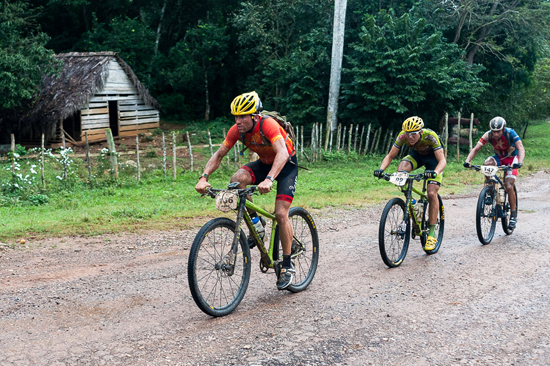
pixel 485 215
pixel 507 211
pixel 216 290
pixel 305 263
pixel 440 227
pixel 393 246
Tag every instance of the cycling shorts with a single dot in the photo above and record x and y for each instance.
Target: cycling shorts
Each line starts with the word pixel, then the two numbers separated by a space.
pixel 429 161
pixel 286 180
pixel 509 160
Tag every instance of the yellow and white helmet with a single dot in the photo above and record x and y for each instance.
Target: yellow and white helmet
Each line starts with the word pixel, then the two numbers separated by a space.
pixel 247 103
pixel 413 124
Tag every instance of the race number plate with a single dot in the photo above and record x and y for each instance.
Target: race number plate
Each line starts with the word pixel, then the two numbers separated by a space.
pixel 489 170
pixel 399 178
pixel 226 201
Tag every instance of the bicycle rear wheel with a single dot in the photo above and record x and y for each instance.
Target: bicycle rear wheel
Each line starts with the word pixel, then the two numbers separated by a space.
pixel 439 228
pixel 305 248
pixel 217 286
pixel 485 215
pixel 394 234
pixel 507 211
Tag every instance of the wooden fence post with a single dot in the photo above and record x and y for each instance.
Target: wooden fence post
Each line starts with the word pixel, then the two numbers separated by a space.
pixel 137 159
pixel 378 139
pixel 390 138
pixel 174 166
pixel 88 157
pixel 330 138
pixel 320 144
pixel 190 149
pixel 471 129
pixel 302 143
pixel 112 152
pixel 350 138
pixel 163 155
pixel 235 153
pixel 12 154
pixel 311 150
pixel 361 139
pixel 224 137
pixel 338 137
pixel 210 143
pixel 446 133
pixel 355 138
pixel 42 162
pixel 458 140
pixel 367 140
pixel 64 157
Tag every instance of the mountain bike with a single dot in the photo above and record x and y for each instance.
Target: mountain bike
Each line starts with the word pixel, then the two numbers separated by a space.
pixel 395 229
pixel 219 261
pixel 493 203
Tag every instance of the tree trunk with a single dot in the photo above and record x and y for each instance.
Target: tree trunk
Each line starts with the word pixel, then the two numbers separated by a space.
pixel 207 97
pixel 159 27
pixel 336 64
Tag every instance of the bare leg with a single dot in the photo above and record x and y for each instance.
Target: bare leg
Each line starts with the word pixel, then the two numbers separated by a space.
pixel 243 177
pixel 433 189
pixel 285 227
pixel 509 185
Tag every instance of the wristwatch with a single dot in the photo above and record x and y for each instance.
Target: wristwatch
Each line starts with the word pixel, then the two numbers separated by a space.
pixel 270 178
pixel 204 175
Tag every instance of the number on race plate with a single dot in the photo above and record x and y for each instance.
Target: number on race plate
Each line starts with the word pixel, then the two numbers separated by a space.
pixel 226 201
pixel 399 178
pixel 489 170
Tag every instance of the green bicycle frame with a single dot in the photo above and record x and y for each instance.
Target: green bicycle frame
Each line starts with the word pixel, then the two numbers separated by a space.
pixel 408 195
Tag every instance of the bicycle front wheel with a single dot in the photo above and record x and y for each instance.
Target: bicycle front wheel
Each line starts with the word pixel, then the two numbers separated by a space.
pixel 507 211
pixel 305 248
pixel 485 215
pixel 394 233
pixel 217 280
pixel 439 227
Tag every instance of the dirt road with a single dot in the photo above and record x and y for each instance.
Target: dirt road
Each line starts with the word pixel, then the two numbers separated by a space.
pixel 124 300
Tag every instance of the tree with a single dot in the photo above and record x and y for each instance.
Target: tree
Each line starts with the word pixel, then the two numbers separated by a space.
pixel 24 59
pixel 402 66
pixel 284 48
pixel 199 57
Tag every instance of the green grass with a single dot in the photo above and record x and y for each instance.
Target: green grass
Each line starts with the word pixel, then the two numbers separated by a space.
pixel 161 204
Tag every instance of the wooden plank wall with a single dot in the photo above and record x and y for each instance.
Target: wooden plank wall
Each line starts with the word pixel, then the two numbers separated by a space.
pixel 134 115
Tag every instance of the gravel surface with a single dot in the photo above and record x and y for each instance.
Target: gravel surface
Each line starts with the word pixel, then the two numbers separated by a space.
pixel 124 299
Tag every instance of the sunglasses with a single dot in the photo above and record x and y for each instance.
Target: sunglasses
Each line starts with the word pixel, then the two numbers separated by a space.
pixel 412 133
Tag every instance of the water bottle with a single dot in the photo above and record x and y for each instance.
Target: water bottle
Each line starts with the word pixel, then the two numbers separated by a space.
pixel 501 196
pixel 415 206
pixel 259 227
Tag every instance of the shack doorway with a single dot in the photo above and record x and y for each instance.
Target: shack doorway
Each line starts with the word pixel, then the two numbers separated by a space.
pixel 113 117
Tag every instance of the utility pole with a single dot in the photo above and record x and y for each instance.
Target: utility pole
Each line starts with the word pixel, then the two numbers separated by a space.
pixel 336 65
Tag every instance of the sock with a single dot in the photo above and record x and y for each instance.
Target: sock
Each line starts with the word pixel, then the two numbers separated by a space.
pixel 431 232
pixel 286 261
pixel 514 213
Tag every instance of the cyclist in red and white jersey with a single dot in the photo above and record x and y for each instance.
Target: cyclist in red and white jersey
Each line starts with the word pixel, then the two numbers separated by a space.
pixel 509 151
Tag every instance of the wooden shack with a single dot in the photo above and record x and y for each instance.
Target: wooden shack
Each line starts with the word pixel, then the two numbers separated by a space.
pixel 94 91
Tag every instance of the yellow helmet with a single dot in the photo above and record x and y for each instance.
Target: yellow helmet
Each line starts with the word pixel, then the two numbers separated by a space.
pixel 413 124
pixel 247 103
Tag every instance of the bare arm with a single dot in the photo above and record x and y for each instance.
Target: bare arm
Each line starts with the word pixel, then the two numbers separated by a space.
pixel 281 159
pixel 474 151
pixel 521 151
pixel 211 166
pixel 441 161
pixel 388 159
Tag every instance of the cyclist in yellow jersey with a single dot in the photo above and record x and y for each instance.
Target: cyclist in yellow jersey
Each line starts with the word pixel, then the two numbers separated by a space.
pixel 426 150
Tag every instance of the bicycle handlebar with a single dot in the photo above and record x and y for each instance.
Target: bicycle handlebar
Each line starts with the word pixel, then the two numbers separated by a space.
pixel 212 192
pixel 500 167
pixel 416 177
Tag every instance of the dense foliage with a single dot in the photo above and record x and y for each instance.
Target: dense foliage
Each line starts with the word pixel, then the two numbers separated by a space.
pixel 401 58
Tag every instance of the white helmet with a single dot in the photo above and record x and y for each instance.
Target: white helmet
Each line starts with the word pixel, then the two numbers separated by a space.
pixel 497 124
